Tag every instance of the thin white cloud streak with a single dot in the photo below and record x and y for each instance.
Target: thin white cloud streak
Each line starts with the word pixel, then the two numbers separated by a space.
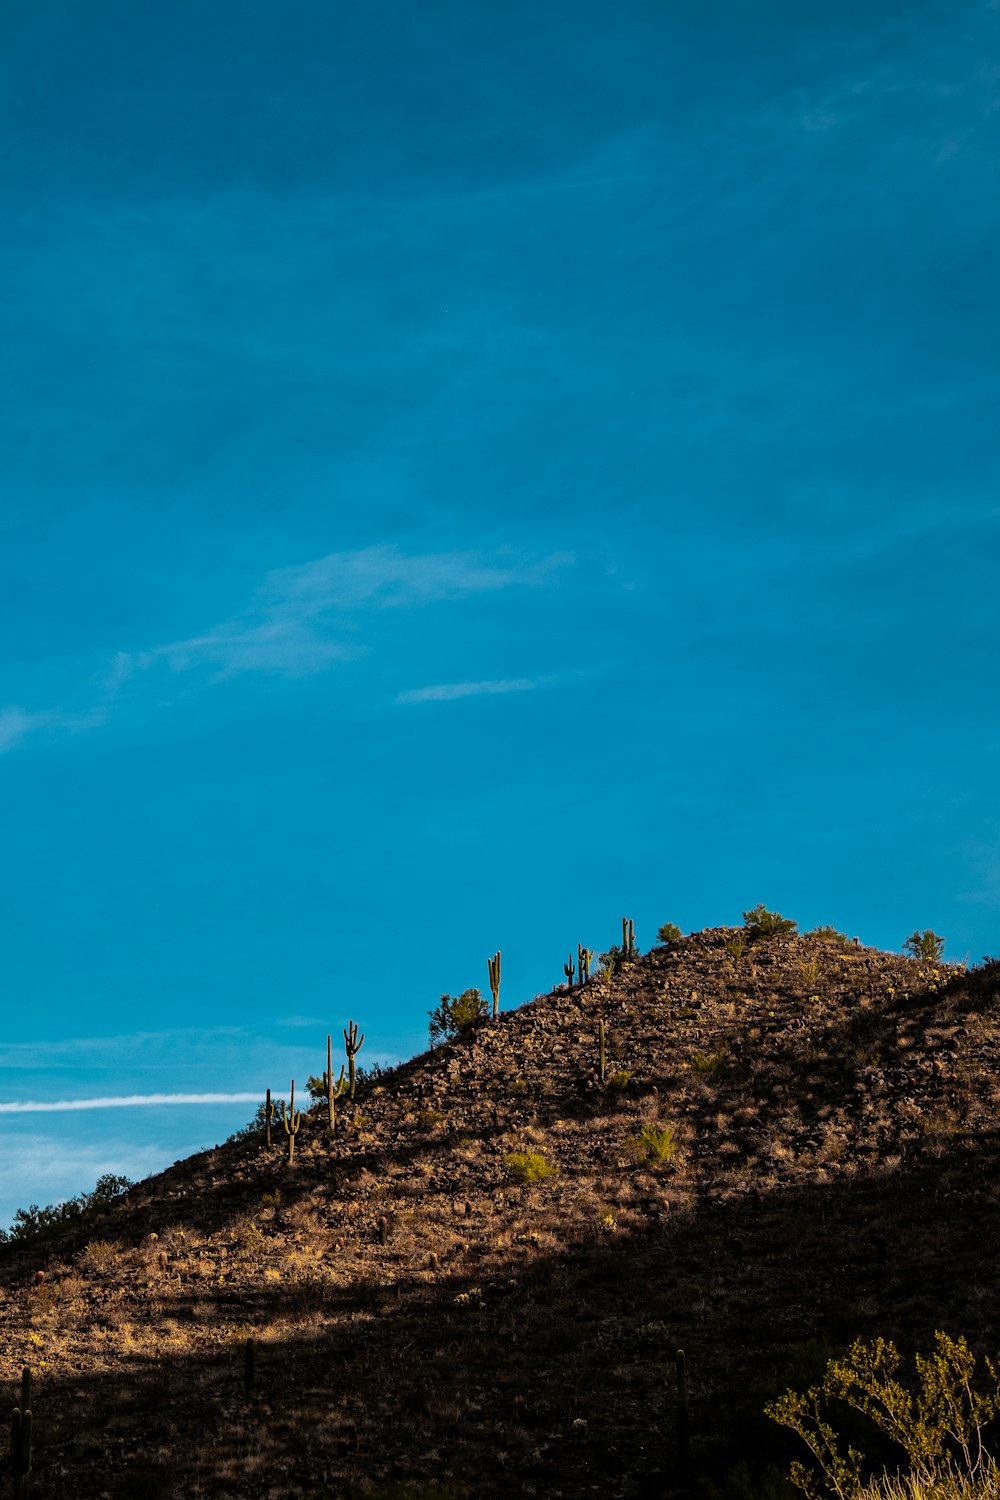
pixel 446 692
pixel 119 1101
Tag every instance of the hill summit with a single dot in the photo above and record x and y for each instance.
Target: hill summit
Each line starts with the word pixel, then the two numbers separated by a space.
pixel 479 1285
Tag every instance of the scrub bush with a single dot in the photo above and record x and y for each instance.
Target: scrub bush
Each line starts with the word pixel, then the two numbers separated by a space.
pixel 924 945
pixel 761 923
pixel 528 1166
pixel 655 1145
pixel 455 1014
pixel 34 1223
pixel 937 1419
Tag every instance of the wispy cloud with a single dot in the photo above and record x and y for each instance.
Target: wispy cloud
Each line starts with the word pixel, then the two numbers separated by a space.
pixel 119 1101
pixel 444 692
pixel 291 625
pixel 102 1072
pixel 187 1046
pixel 982 856
pixel 303 619
pixel 15 724
pixel 920 66
pixel 37 1168
pixel 391 579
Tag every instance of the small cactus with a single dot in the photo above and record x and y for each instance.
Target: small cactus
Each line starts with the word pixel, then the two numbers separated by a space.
pixel 584 959
pixel 569 970
pixel 494 968
pixel 352 1046
pixel 292 1121
pixel 268 1115
pixel 333 1090
pixel 20 1439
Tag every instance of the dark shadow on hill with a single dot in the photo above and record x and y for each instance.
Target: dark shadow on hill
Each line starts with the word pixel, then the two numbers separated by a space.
pixel 556 1381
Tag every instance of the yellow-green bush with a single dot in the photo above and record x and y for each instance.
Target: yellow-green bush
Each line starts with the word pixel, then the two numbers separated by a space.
pixel 655 1145
pixel 711 1063
pixel 936 1419
pixel 527 1166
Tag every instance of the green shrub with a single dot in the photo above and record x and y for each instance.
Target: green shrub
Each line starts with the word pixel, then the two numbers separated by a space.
pixel 621 1079
pixel 937 1420
pixel 615 960
pixel 761 923
pixel 832 934
pixel 713 1063
pixel 655 1145
pixel 924 945
pixel 256 1127
pixel 669 933
pixel 736 946
pixel 455 1014
pixel 527 1166
pixel 34 1223
pixel 362 1076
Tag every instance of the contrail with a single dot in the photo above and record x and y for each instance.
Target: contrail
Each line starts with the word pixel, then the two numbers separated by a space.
pixel 120 1101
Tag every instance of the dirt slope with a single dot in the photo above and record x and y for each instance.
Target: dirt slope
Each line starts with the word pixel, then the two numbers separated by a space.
pixel 420 1314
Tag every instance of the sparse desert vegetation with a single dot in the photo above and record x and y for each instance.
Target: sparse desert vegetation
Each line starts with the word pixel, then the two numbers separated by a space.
pixel 778 1150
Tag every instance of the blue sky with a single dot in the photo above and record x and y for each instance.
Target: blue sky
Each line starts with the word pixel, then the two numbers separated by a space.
pixel 468 473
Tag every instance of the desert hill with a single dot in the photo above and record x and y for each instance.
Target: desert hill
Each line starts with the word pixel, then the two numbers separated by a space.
pixel 792 1146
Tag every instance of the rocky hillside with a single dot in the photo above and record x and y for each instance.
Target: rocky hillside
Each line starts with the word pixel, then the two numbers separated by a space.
pixel 480 1285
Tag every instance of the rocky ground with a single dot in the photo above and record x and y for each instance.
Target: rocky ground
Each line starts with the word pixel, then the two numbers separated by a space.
pixel 793 1146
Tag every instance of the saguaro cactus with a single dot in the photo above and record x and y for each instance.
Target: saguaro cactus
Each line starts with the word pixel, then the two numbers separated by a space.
pixel 20 1439
pixel 268 1115
pixel 569 971
pixel 292 1121
pixel 494 967
pixel 333 1090
pixel 602 1050
pixel 584 959
pixel 628 937
pixel 352 1046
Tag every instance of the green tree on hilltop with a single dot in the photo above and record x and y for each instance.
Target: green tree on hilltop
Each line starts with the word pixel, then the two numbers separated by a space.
pixel 454 1014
